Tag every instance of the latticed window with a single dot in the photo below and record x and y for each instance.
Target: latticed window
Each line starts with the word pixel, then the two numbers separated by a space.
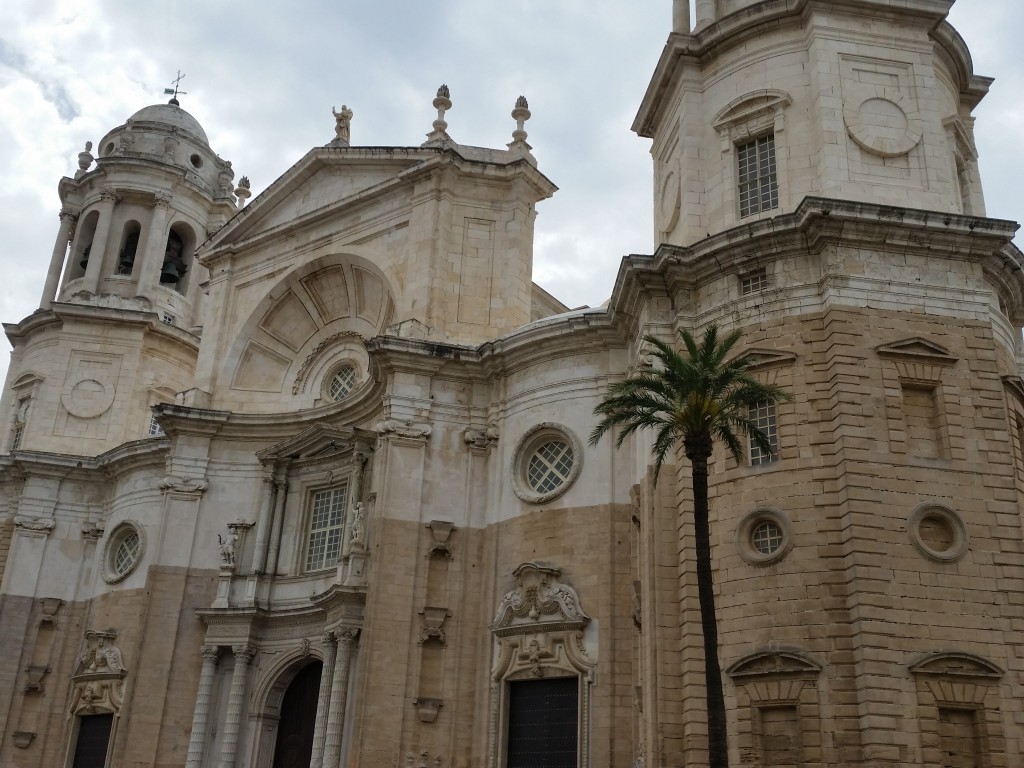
pixel 767 537
pixel 754 282
pixel 762 415
pixel 549 466
pixel 343 382
pixel 155 430
pixel 758 176
pixel 126 554
pixel 325 527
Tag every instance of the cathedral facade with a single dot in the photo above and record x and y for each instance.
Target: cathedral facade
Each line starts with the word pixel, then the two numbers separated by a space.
pixel 304 480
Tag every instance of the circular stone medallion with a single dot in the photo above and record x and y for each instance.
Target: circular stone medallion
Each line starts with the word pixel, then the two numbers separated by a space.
pixel 88 399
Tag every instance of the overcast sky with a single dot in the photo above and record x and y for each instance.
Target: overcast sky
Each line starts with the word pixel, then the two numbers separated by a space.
pixel 262 77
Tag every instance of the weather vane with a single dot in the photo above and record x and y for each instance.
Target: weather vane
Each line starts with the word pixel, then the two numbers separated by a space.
pixel 176 89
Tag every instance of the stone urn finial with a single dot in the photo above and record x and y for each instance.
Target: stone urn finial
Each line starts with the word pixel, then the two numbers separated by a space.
pixel 85 159
pixel 520 113
pixel 442 103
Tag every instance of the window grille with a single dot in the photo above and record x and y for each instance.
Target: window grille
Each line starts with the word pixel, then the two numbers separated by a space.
pixel 20 419
pixel 762 415
pixel 325 526
pixel 342 383
pixel 754 282
pixel 549 466
pixel 155 430
pixel 758 176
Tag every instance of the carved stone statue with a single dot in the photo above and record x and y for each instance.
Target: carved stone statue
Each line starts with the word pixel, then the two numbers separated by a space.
pixel 358 519
pixel 342 124
pixel 227 546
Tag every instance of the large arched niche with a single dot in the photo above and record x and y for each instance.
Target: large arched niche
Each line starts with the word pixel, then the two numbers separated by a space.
pixel 316 317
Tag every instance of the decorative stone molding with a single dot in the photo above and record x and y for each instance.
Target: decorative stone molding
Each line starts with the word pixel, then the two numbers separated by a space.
pixel 48 607
pixel 34 674
pixel 766 664
pixel 92 529
pixel 35 524
pixel 922 352
pixel 962 666
pixel 100 675
pixel 482 439
pixel 752 114
pixel 440 532
pixel 882 121
pixel 114 569
pixel 23 739
pixel 307 364
pixel 186 485
pixel 529 448
pixel 427 709
pixel 538 629
pixel 433 618
pixel 768 549
pixel 407 429
pixel 938 532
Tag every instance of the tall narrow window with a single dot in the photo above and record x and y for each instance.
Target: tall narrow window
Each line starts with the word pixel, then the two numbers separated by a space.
pixel 758 176
pixel 764 418
pixel 20 419
pixel 754 282
pixel 326 520
pixel 542 723
pixel 92 742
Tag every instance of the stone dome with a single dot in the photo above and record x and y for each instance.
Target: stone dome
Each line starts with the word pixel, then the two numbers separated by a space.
pixel 173 115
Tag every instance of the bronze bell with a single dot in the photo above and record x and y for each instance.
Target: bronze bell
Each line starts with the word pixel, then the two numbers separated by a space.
pixel 85 256
pixel 172 271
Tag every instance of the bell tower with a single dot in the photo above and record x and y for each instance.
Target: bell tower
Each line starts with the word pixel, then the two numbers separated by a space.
pixel 122 297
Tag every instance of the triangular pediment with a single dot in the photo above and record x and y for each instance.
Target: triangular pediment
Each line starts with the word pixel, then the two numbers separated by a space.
pixel 323 183
pixel 319 441
pixel 918 349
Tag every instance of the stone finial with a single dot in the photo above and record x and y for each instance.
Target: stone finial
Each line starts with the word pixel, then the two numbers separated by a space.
pixel 521 113
pixel 85 159
pixel 342 126
pixel 242 191
pixel 442 103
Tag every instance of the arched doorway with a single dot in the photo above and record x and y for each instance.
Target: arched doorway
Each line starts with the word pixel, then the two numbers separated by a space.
pixel 294 746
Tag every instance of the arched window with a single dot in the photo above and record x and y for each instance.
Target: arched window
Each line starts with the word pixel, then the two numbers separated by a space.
pixel 82 248
pixel 177 264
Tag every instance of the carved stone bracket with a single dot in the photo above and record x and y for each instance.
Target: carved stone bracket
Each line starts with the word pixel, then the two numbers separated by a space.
pixel 37 524
pixel 427 709
pixel 92 529
pixel 440 532
pixel 433 618
pixel 34 678
pixel 482 439
pixel 190 486
pixel 408 429
pixel 48 607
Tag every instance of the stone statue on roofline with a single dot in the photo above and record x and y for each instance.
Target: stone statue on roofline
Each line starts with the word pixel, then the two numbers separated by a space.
pixel 342 126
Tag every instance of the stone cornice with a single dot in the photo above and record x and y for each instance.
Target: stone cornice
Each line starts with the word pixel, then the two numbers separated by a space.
pixel 732 29
pixel 816 224
pixel 412 163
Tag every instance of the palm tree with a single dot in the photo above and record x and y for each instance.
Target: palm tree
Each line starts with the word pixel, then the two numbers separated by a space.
pixel 695 399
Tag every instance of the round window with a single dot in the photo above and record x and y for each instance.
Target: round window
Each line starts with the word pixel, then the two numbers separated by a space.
pixel 196 160
pixel 342 382
pixel 938 532
pixel 546 462
pixel 124 551
pixel 764 536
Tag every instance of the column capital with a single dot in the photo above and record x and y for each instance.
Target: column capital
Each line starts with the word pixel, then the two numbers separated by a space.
pixel 210 652
pixel 347 635
pixel 243 652
pixel 68 213
pixel 109 196
pixel 162 199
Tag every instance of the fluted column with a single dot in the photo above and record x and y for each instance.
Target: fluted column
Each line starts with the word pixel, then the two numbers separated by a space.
pixel 236 700
pixel 323 700
pixel 200 718
pixel 156 245
pixel 98 252
pixel 259 557
pixel 339 699
pixel 60 250
pixel 281 484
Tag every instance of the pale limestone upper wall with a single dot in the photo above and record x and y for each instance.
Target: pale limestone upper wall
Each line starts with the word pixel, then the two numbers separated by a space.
pixel 864 103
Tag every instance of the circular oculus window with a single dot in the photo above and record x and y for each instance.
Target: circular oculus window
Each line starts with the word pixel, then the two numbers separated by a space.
pixel 764 536
pixel 546 463
pixel 124 551
pixel 342 383
pixel 938 532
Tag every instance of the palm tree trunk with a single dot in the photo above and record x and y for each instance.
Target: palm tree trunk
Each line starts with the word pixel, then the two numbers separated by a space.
pixel 698 451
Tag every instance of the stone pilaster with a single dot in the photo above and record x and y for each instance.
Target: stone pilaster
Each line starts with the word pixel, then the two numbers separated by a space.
pixel 324 700
pixel 94 267
pixel 60 249
pixel 200 718
pixel 153 252
pixel 339 699
pixel 236 701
